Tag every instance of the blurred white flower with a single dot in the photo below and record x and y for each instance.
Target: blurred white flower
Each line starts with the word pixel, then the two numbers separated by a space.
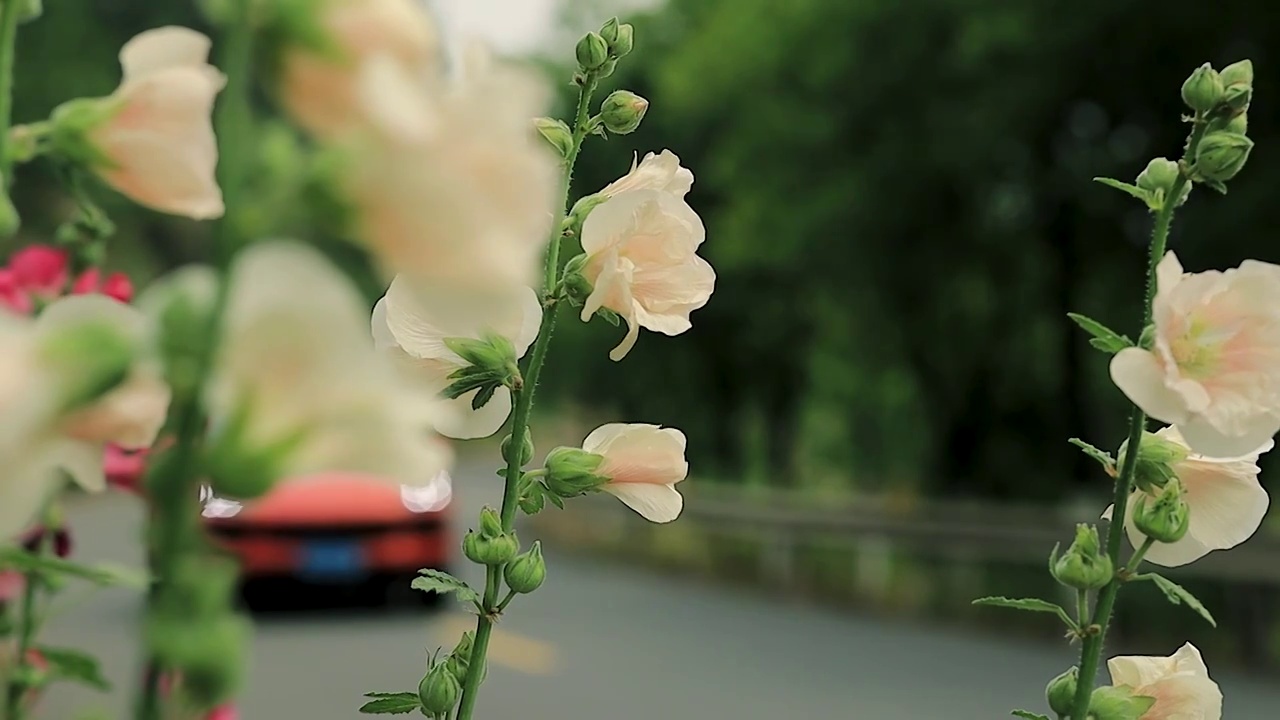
pixel 297 367
pixel 412 321
pixel 643 464
pixel 155 136
pixel 656 172
pixel 319 85
pixel 1215 368
pixel 641 247
pixel 1179 683
pixel 1226 500
pixel 449 183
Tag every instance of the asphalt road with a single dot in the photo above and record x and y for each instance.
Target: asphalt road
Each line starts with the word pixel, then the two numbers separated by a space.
pixel 600 642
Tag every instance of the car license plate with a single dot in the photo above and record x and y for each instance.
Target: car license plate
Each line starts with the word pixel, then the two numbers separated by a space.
pixel 332 560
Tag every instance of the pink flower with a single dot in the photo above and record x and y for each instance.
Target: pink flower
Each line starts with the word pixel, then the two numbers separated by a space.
pixel 1179 683
pixel 12 296
pixel 124 469
pixel 117 285
pixel 40 270
pixel 1214 369
pixel 643 464
pixel 224 712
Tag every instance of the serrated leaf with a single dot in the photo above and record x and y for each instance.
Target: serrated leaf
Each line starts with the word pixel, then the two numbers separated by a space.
pixel 483 397
pixel 1104 338
pixel 390 704
pixel 71 664
pixel 462 387
pixel 1028 715
pixel 1102 456
pixel 437 581
pixel 1126 188
pixel 1030 604
pixel 1178 595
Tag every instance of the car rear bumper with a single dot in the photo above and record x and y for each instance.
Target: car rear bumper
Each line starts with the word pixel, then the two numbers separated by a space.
pixel 346 553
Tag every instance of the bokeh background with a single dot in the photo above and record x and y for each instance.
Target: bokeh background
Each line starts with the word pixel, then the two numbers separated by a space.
pixel 900 211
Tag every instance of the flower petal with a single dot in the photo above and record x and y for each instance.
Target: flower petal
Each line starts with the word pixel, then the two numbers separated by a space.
pixel 160 48
pixel 655 503
pixel 460 422
pixel 1205 439
pixel 1139 376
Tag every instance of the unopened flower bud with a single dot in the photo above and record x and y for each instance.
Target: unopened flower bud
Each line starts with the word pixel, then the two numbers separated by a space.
pixel 592 51
pixel 622 111
pixel 526 572
pixel 1221 155
pixel 490 522
pixel 439 691
pixel 459 661
pixel 1203 90
pixel 1238 124
pixel 526 449
pixel 625 40
pixel 1084 565
pixel 489 551
pixel 572 471
pixel 1238 97
pixel 1156 460
pixel 1159 178
pixel 1238 73
pixel 1061 691
pixel 1164 519
pixel 607 68
pixel 1118 703
pixel 609 31
pixel 555 132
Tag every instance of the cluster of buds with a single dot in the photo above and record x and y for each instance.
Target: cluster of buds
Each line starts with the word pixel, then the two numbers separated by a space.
pixel 39 274
pixel 1221 99
pixel 490 545
pixel 598 52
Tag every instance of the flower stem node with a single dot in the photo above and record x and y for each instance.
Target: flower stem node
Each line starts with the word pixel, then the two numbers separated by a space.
pixel 572 471
pixel 1084 565
pixel 439 690
pixel 1061 691
pixel 1221 156
pixel 527 571
pixel 622 112
pixel 1166 518
pixel 1158 179
pixel 1203 90
pixel 592 52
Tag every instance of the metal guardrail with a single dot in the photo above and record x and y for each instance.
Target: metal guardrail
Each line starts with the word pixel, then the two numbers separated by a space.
pixel 959 530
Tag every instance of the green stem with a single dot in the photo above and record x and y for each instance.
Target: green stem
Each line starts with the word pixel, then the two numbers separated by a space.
pixel 1136 560
pixel 28 623
pixel 172 484
pixel 8 38
pixel 1091 648
pixel 1082 607
pixel 524 406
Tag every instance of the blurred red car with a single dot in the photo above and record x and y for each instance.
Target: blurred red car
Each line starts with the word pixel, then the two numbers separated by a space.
pixel 338 530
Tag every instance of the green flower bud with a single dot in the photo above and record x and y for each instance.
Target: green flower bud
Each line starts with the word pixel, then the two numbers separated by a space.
pixel 555 132
pixel 490 522
pixel 1118 703
pixel 592 51
pixel 526 449
pixel 1084 566
pixel 1157 458
pixel 609 31
pixel 1221 155
pixel 622 44
pixel 1159 178
pixel 1238 73
pixel 1164 519
pixel 572 471
pixel 607 68
pixel 1238 124
pixel 439 691
pixel 622 111
pixel 459 660
pixel 1061 691
pixel 1237 98
pixel 490 551
pixel 1203 90
pixel 527 572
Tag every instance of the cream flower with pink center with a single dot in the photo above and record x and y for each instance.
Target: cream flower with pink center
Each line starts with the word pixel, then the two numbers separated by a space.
pixel 1214 369
pixel 1226 500
pixel 643 464
pixel 1179 683
pixel 642 263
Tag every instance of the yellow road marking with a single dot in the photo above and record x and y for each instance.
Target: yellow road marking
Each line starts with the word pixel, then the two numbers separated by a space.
pixel 509 649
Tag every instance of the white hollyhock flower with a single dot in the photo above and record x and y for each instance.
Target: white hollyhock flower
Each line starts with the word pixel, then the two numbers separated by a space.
pixel 413 321
pixel 643 464
pixel 1226 500
pixel 1179 683
pixel 1215 368
pixel 656 172
pixel 153 137
pixel 641 260
pixel 297 364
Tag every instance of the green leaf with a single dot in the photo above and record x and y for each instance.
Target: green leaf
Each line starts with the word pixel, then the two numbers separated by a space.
pixel 18 559
pixel 1124 187
pixel 71 664
pixel 1102 456
pixel 483 397
pixel 1031 604
pixel 390 703
pixel 1178 595
pixel 1028 715
pixel 437 581
pixel 1218 185
pixel 610 316
pixel 555 500
pixel 1104 338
